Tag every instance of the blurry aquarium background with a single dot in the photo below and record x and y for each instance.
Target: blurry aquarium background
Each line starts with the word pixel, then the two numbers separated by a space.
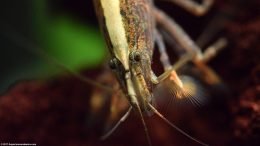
pixel 55 111
pixel 66 30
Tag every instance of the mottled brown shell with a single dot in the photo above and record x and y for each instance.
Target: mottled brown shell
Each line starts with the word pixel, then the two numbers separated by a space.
pixel 138 22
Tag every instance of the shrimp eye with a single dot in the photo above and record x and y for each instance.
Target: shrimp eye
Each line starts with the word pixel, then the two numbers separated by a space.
pixel 113 63
pixel 135 56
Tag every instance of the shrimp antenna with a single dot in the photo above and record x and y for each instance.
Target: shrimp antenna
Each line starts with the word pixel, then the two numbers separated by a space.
pixel 174 126
pixel 122 119
pixel 144 124
pixel 23 42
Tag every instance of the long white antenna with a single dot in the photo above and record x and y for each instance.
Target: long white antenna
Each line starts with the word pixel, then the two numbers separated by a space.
pixel 144 124
pixel 117 124
pixel 174 126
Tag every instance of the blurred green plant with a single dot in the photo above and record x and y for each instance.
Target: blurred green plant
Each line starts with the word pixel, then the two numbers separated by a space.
pixel 75 44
